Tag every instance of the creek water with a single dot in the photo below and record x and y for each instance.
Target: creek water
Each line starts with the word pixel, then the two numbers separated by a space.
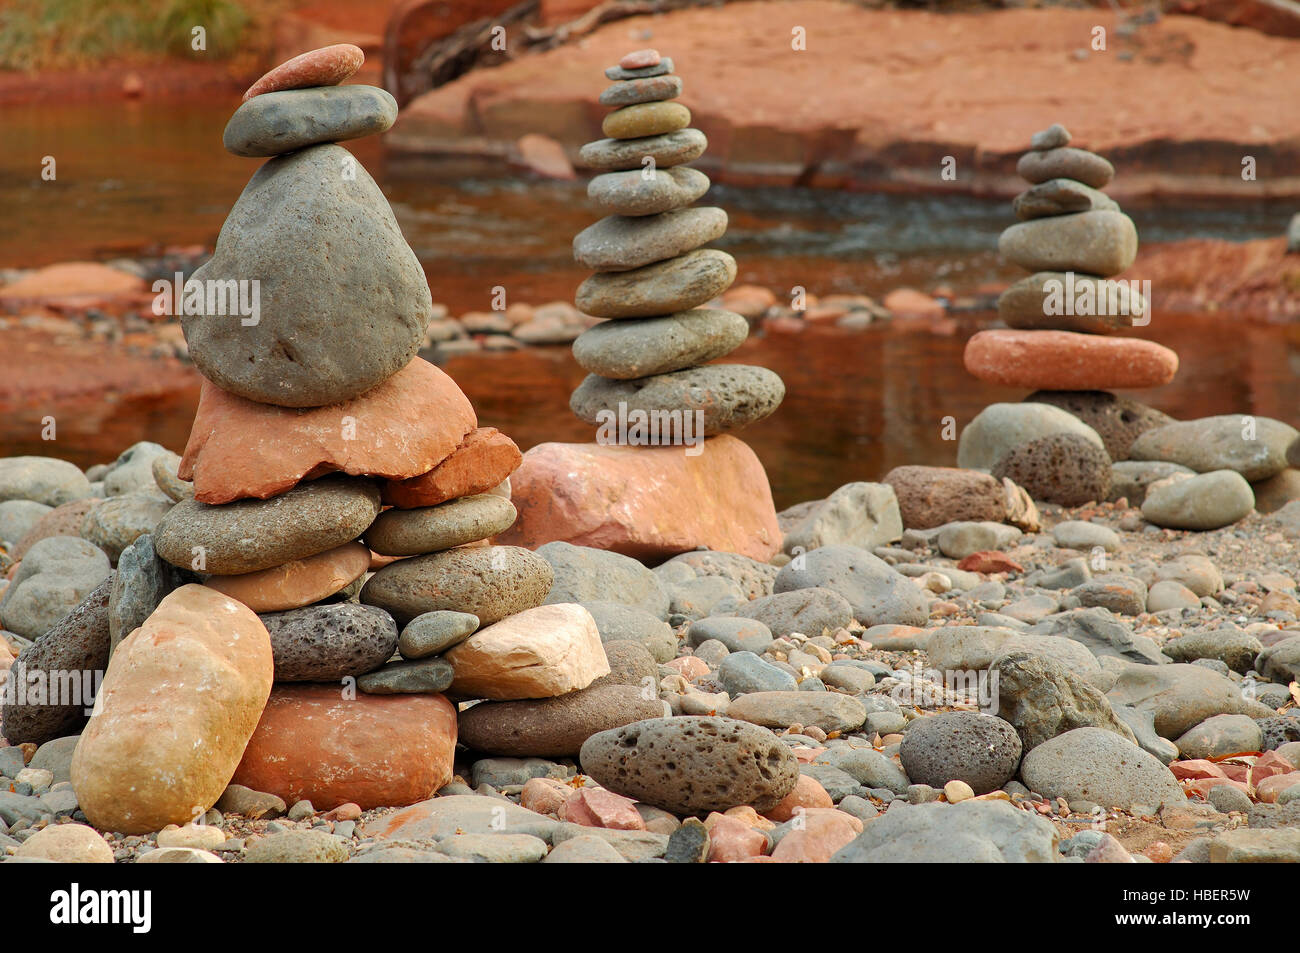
pixel 133 178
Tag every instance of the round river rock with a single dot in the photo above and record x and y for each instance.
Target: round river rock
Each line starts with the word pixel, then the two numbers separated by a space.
pixel 692 765
pixel 250 535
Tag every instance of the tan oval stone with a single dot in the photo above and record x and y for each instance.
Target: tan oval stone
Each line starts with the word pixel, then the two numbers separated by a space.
pixel 298 583
pixel 538 653
pixel 67 844
pixel 181 698
pixel 646 119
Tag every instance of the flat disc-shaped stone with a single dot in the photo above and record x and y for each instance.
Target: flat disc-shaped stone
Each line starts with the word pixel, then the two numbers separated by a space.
pixel 251 535
pixel 1064 360
pixel 622 242
pixel 662 68
pixel 731 396
pixel 275 123
pixel 1097 243
pixel 431 529
pixel 1059 197
pixel 635 193
pixel 651 89
pixel 646 119
pixel 1065 163
pixel 491 582
pixel 640 347
pixel 342 299
pixel 1055 301
pixel 677 284
pixel 614 155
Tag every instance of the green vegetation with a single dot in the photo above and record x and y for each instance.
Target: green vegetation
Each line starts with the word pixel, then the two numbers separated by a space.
pixel 72 34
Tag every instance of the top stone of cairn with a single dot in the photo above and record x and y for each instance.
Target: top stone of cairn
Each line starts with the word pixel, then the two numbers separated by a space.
pixel 328 66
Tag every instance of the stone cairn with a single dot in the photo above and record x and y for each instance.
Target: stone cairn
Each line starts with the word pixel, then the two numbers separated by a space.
pixel 1061 321
pixel 314 414
pixel 653 276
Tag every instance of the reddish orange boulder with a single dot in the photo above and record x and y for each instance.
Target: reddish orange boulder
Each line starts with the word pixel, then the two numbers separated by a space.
pixel 807 793
pixel 328 66
pixel 989 560
pixel 824 831
pixel 372 750
pixel 645 502
pixel 484 458
pixel 406 426
pixel 1067 360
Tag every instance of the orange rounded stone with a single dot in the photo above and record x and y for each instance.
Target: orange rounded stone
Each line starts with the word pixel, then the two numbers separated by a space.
pixel 316 743
pixel 296 584
pixel 328 66
pixel 1066 360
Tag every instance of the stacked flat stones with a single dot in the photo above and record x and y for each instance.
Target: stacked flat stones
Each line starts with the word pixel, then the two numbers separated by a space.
pixel 653 276
pixel 319 413
pixel 1074 234
pixel 1075 239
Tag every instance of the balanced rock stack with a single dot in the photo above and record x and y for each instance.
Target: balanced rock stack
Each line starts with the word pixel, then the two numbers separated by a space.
pixel 311 418
pixel 650 384
pixel 1061 321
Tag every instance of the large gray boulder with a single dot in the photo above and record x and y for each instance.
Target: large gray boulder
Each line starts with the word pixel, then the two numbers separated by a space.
pixel 584 574
pixel 1093 764
pixel 315 231
pixel 989 832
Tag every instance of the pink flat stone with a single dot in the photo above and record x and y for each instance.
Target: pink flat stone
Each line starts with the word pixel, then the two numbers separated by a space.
pixel 640 59
pixel 328 66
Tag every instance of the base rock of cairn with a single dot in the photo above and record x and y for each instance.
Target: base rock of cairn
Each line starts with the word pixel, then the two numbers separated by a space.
pixel 341 508
pixel 665 463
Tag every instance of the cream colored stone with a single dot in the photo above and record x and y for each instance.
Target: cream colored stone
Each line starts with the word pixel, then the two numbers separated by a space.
pixel 956 791
pixel 197 836
pixel 67 844
pixel 539 653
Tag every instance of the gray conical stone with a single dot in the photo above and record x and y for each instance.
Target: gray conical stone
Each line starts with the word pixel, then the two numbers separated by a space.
pixel 343 300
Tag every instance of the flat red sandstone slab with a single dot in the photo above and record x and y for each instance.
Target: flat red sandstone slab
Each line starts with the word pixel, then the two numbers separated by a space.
pixel 484 458
pixel 1065 360
pixel 404 427
pixel 372 750
pixel 645 502
pixel 328 66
